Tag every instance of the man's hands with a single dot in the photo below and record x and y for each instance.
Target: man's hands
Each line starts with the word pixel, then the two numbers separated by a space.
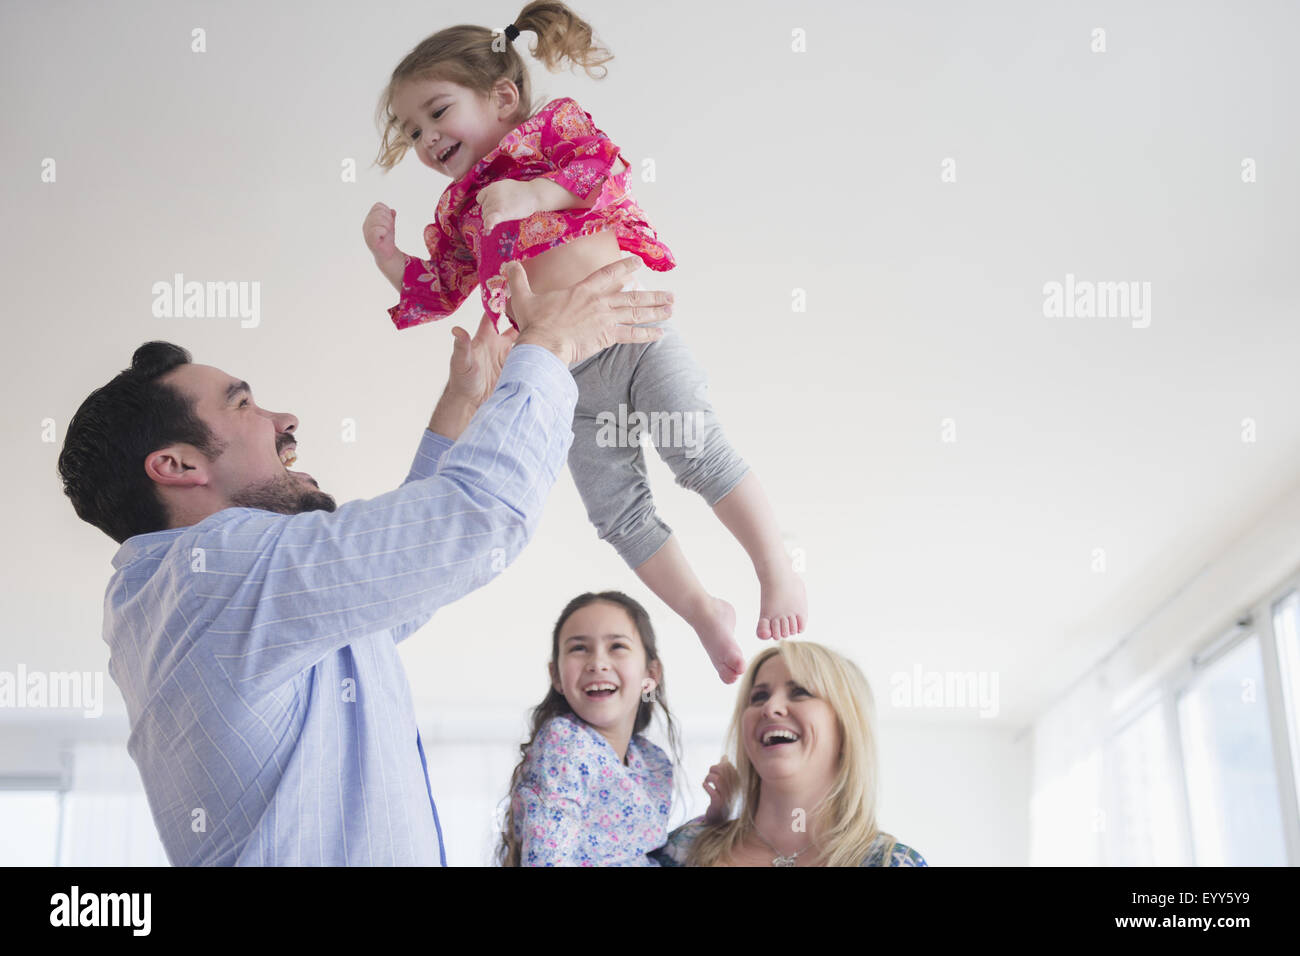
pixel 475 367
pixel 504 200
pixel 380 230
pixel 589 317
pixel 721 784
pixel 476 362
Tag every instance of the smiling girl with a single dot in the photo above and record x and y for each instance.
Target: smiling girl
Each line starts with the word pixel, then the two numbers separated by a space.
pixel 548 189
pixel 590 789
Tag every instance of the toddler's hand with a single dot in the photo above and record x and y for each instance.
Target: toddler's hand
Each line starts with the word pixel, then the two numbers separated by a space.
pixel 720 784
pixel 505 200
pixel 379 230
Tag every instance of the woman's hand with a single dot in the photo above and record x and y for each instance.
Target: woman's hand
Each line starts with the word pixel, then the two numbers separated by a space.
pixel 504 200
pixel 476 362
pixel 721 784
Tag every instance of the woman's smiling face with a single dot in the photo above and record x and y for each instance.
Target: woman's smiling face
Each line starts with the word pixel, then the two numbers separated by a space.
pixel 787 732
pixel 602 669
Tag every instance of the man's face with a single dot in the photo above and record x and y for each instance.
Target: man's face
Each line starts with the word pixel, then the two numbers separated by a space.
pixel 249 472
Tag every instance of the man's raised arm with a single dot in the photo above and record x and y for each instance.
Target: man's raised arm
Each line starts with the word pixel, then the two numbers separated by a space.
pixel 277 592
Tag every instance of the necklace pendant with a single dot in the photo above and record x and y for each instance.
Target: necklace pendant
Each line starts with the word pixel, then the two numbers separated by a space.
pixel 783 861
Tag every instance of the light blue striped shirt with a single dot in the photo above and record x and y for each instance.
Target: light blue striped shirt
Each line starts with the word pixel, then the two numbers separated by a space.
pixel 271 718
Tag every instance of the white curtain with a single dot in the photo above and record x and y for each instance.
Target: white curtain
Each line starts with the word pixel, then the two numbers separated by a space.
pixel 106 819
pixel 1067 806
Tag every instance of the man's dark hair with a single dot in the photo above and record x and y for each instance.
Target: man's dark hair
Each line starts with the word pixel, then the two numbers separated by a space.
pixel 115 430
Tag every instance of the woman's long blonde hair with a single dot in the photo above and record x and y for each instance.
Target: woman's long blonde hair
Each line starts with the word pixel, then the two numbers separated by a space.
pixel 478 59
pixel 846 818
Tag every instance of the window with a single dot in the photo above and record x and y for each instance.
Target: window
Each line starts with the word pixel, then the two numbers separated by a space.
pixel 29 827
pixel 1145 830
pixel 1232 786
pixel 1286 632
pixel 1199 764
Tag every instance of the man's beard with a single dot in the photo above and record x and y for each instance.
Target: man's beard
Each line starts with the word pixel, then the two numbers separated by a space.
pixel 285 495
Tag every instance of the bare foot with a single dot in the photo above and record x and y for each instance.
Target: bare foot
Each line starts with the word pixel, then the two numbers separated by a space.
pixel 783 609
pixel 716 627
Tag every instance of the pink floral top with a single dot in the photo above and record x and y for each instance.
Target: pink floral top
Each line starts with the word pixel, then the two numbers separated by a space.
pixel 559 143
pixel 578 805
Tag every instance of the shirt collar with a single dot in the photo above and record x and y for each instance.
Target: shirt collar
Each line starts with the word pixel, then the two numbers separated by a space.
pixel 136 547
pixel 642 754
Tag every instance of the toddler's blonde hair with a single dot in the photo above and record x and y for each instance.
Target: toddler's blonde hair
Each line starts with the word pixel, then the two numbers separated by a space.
pixel 465 55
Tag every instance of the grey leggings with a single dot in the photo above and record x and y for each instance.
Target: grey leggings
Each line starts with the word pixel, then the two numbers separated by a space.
pixel 656 389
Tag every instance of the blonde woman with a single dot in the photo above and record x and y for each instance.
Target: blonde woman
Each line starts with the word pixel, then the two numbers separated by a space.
pixel 803 743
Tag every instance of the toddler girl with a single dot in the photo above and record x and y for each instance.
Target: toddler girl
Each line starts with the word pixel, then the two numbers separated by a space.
pixel 548 188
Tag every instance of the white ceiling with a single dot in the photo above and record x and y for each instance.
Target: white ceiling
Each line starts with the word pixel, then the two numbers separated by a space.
pixel 775 170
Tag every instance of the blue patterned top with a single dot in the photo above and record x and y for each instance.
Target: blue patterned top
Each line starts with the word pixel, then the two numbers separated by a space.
pixel 885 851
pixel 577 804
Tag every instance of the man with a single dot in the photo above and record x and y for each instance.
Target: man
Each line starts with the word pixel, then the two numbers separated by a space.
pixel 253 626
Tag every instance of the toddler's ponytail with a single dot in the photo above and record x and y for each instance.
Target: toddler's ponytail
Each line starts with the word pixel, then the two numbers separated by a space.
pixel 562 35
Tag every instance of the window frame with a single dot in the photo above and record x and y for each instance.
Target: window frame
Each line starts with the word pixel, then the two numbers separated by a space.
pixel 57 783
pixel 1254 619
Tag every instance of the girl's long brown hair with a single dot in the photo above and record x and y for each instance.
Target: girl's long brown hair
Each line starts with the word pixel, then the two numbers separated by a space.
pixel 554 705
pixel 478 59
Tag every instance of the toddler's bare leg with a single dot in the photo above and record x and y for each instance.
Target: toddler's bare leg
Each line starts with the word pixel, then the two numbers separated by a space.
pixel 668 574
pixel 745 511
